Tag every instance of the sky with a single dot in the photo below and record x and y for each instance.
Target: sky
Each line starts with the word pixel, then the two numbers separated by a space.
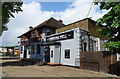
pixel 54 6
pixel 35 12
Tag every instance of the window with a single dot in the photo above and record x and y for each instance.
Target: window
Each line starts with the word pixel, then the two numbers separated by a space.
pixel 67 53
pixel 29 52
pixel 48 33
pixel 33 35
pixel 32 49
pixel 85 45
pixel 51 53
pixel 38 48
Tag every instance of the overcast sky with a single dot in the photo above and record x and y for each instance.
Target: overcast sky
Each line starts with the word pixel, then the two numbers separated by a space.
pixel 35 12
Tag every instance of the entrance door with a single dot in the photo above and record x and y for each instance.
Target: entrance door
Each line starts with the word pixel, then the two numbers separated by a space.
pixel 25 54
pixel 47 54
pixel 55 54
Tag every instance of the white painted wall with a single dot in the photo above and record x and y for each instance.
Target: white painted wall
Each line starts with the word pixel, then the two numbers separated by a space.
pixel 74 46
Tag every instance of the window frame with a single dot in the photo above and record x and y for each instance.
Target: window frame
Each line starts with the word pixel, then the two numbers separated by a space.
pixel 67 53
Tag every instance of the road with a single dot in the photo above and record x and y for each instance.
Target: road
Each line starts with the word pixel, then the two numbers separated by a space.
pixel 12 67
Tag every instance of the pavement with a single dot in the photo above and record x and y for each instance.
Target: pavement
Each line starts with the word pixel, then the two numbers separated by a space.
pixel 12 67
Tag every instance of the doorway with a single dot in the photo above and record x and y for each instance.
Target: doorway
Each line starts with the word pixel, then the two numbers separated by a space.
pixel 47 54
pixel 55 54
pixel 25 54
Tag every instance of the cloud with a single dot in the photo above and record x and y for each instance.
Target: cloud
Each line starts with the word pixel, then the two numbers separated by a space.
pixel 79 10
pixel 32 15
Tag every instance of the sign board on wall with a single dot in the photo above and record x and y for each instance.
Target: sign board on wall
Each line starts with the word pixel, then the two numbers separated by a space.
pixel 63 36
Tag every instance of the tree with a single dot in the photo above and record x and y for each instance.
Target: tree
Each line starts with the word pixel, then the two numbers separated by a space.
pixel 8 8
pixel 110 25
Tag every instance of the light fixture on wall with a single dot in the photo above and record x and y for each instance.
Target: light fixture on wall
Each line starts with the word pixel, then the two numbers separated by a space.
pixel 83 38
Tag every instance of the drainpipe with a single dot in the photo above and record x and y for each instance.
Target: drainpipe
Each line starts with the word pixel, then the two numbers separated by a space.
pixel 88 41
pixel 81 47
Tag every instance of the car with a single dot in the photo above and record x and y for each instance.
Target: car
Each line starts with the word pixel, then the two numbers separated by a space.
pixel 1 53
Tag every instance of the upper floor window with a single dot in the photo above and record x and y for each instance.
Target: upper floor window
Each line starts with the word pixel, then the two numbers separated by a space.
pixel 33 35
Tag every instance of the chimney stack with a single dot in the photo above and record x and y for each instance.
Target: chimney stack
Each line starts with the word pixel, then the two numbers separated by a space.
pixel 60 21
pixel 30 28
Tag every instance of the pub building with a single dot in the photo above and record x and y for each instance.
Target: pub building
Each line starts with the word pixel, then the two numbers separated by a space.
pixel 54 43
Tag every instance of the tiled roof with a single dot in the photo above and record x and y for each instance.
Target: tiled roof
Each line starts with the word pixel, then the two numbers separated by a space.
pixel 50 23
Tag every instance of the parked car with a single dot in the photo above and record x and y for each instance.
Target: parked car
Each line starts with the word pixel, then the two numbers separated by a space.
pixel 1 53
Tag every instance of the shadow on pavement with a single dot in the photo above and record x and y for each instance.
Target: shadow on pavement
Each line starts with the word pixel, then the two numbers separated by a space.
pixel 17 63
pixel 14 61
pixel 8 58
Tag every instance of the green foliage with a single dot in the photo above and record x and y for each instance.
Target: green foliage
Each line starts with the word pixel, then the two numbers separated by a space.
pixel 110 24
pixel 8 8
pixel 112 45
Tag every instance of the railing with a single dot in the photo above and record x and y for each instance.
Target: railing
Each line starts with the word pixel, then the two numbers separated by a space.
pixel 36 38
pixel 33 39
